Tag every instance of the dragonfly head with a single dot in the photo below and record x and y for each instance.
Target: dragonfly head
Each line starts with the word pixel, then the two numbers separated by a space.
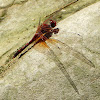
pixel 52 23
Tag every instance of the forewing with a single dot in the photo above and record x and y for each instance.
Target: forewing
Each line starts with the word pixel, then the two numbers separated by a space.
pixel 70 50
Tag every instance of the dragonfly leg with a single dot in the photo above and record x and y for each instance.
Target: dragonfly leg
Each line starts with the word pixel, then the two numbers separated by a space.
pixel 56 30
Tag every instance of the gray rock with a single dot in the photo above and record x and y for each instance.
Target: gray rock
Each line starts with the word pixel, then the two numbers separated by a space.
pixel 36 76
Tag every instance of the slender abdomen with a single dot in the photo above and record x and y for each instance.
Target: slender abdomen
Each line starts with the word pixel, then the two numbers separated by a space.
pixel 20 50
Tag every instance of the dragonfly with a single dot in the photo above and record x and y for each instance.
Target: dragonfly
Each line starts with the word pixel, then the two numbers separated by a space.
pixel 44 33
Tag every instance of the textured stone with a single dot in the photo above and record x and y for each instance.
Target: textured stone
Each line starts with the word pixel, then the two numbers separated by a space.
pixel 36 76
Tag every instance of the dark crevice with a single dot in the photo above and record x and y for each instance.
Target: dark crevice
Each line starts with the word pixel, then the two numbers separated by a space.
pixel 3 15
pixel 21 2
pixel 7 6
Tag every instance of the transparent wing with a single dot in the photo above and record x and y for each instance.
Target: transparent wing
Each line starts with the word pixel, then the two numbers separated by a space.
pixel 60 65
pixel 73 52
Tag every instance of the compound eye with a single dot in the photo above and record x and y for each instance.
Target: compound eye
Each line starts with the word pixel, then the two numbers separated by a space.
pixel 52 23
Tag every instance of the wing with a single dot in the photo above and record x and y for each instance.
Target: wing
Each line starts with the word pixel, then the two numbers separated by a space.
pixel 60 65
pixel 73 52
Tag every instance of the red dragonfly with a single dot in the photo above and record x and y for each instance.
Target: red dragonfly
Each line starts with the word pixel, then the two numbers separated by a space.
pixel 43 33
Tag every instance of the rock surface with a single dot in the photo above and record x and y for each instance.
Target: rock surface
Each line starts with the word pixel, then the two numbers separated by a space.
pixel 37 77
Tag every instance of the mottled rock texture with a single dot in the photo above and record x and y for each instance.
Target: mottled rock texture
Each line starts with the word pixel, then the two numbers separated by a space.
pixel 36 76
